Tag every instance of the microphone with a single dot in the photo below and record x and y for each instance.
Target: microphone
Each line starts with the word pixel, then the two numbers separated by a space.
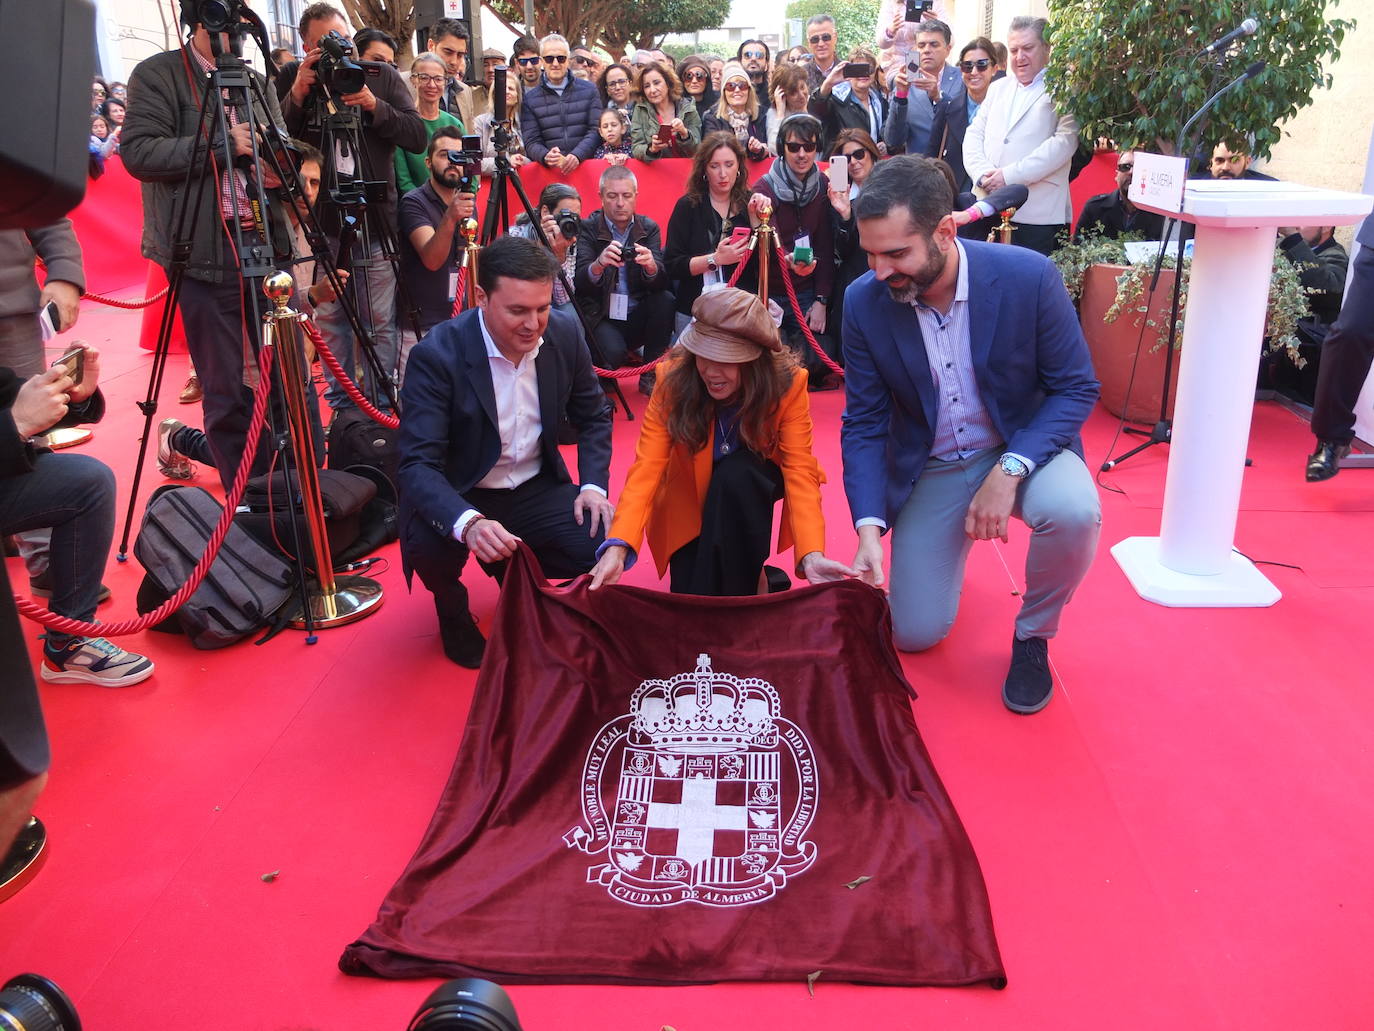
pixel 1239 80
pixel 1246 28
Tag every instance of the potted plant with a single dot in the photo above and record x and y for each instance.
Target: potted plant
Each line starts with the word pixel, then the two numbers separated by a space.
pixel 1127 330
pixel 1130 71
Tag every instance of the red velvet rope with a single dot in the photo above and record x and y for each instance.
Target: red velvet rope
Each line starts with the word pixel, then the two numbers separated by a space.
pixel 801 316
pixel 67 625
pixel 142 302
pixel 350 388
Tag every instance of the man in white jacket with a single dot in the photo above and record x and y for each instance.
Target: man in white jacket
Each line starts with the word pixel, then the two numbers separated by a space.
pixel 1019 137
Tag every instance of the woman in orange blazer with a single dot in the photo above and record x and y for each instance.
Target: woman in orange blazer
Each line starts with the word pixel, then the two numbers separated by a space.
pixel 726 434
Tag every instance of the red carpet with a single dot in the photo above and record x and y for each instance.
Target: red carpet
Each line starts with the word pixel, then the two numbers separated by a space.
pixel 1181 839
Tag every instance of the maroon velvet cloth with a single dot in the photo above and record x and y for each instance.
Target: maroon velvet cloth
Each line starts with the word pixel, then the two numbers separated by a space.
pixel 597 828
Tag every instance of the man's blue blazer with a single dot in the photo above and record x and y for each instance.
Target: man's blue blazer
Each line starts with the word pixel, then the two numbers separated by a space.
pixel 1029 357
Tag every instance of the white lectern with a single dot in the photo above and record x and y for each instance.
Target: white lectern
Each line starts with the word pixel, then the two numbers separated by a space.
pixel 1192 562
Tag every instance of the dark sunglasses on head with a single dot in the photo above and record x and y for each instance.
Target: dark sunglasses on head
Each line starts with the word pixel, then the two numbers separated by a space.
pixel 981 64
pixel 820 37
pixel 527 60
pixel 555 59
pixel 855 155
pixel 695 76
pixel 796 147
pixel 1125 166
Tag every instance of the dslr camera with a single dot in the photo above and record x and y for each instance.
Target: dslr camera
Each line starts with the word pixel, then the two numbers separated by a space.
pixel 337 70
pixel 568 223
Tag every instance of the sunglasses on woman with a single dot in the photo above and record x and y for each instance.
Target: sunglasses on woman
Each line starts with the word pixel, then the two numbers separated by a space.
pixel 797 146
pixel 856 155
pixel 695 77
pixel 981 64
pixel 736 87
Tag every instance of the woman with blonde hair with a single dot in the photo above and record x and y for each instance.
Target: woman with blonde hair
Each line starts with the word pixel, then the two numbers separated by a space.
pixel 737 113
pixel 427 77
pixel 726 435
pixel 484 125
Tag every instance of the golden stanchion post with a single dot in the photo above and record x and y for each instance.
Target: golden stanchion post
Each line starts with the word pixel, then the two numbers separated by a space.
pixel 1001 233
pixel 468 227
pixel 763 240
pixel 333 600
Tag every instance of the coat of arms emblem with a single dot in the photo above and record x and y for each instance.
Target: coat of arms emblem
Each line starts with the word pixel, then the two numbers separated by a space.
pixel 715 793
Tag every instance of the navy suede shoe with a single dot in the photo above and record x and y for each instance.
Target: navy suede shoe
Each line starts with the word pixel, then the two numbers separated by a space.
pixel 1029 683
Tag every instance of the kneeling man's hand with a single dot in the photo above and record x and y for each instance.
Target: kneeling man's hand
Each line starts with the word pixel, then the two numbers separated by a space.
pixel 819 570
pixel 593 509
pixel 490 541
pixel 990 510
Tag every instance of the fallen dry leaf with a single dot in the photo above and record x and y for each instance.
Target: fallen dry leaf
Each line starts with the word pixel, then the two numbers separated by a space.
pixel 270 877
pixel 811 982
pixel 858 881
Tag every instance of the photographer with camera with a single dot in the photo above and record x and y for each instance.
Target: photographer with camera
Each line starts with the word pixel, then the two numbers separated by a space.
pixel 162 134
pixel 429 219
pixel 327 77
pixel 560 214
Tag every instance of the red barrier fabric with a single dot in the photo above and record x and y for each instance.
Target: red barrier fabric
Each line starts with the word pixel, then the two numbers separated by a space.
pixel 109 224
pixel 746 798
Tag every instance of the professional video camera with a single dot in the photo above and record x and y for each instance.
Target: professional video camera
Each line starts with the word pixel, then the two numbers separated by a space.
pixel 337 69
pixel 469 160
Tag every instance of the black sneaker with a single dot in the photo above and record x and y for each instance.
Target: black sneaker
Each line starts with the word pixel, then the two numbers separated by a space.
pixel 1029 683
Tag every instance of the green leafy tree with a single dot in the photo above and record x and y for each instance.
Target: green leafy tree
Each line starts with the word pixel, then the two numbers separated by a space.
pixel 856 21
pixel 1130 72
pixel 643 23
pixel 615 24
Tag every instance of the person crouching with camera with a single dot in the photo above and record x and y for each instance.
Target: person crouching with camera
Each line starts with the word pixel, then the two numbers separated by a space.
pixel 560 216
pixel 430 217
pixel 727 433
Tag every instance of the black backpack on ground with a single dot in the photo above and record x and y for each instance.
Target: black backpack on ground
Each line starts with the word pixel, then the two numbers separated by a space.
pixel 246 585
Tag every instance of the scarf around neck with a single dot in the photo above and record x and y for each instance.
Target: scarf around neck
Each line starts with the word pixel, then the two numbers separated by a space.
pixel 787 188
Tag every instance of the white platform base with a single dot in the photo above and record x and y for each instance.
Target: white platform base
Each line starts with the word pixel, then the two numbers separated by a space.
pixel 1241 585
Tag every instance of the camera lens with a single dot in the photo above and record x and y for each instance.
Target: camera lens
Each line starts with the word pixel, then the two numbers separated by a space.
pixel 466 1004
pixel 34 1003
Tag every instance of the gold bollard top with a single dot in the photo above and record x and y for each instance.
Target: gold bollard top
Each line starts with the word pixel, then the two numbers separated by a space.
pixel 468 227
pixel 279 287
pixel 766 214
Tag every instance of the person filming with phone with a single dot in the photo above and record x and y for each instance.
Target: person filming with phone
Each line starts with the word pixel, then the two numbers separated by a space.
pixel 918 87
pixel 847 99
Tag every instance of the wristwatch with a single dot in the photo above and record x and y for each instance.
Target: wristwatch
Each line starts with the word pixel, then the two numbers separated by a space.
pixel 711 264
pixel 1013 466
pixel 823 300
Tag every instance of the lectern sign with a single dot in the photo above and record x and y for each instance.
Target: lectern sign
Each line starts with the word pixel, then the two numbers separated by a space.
pixel 1158 181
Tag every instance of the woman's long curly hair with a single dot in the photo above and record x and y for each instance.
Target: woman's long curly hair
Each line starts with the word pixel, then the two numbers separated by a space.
pixel 691 411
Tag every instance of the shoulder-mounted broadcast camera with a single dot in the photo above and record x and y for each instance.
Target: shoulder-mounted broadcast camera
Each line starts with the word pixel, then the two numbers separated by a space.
pixel 337 69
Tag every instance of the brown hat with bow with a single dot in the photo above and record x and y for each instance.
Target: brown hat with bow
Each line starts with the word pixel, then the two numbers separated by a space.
pixel 730 325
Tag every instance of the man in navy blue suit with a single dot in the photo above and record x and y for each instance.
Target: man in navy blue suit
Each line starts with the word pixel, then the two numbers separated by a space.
pixel 480 471
pixel 967 381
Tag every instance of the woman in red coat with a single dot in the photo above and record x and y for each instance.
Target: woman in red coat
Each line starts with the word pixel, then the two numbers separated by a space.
pixel 727 434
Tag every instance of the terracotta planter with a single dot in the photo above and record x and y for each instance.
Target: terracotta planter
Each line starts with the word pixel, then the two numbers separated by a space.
pixel 1113 346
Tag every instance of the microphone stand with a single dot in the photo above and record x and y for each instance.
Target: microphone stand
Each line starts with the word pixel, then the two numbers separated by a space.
pixel 1162 431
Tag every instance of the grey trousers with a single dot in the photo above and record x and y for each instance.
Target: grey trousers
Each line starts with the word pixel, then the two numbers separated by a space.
pixel 374 293
pixel 929 547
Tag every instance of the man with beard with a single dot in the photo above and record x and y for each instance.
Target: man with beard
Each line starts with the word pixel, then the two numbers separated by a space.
pixel 753 55
pixel 1233 164
pixel 429 220
pixel 967 380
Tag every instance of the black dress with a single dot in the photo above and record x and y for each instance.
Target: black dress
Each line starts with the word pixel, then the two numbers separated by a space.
pixel 695 229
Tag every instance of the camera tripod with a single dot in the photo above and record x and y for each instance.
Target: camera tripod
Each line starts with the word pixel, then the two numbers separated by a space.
pixel 261 243
pixel 497 217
